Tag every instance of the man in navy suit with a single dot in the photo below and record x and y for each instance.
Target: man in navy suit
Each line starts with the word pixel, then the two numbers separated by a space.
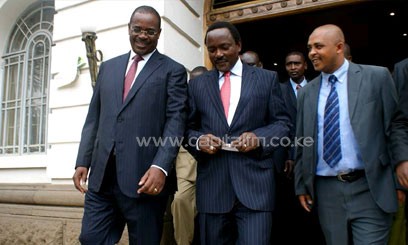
pixel 236 118
pixel 131 170
pixel 351 182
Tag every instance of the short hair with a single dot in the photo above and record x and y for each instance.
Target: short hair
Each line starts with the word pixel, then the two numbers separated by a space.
pixel 147 10
pixel 296 53
pixel 223 24
pixel 347 51
pixel 197 71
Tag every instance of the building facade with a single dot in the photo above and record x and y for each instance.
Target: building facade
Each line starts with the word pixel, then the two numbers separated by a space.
pixel 45 89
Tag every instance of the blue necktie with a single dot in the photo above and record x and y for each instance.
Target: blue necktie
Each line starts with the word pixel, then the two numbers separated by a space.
pixel 331 126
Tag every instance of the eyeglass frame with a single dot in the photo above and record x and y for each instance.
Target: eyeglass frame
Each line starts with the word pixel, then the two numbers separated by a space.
pixel 146 32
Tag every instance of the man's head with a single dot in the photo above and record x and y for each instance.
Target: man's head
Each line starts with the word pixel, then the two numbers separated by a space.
pixel 144 29
pixel 197 71
pixel 223 43
pixel 251 58
pixel 295 65
pixel 326 48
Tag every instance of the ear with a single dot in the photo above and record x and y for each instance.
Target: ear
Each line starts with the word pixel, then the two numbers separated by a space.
pixel 340 47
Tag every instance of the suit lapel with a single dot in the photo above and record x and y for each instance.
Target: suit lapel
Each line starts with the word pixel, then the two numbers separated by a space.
pixel 248 82
pixel 120 73
pixel 354 81
pixel 292 95
pixel 214 94
pixel 312 96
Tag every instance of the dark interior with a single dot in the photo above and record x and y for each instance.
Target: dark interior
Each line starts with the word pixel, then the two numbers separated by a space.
pixel 374 36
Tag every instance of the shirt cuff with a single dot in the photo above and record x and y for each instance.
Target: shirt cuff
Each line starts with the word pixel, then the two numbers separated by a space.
pixel 164 171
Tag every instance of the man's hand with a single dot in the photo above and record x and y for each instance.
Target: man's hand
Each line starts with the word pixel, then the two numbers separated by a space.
pixel 306 202
pixel 248 141
pixel 209 143
pixel 402 173
pixel 289 164
pixel 152 182
pixel 79 178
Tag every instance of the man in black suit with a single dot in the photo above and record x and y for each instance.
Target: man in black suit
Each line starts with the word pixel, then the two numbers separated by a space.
pixel 131 176
pixel 236 117
pixel 292 224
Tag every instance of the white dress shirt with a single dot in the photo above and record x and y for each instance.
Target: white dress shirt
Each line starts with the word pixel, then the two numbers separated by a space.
pixel 236 82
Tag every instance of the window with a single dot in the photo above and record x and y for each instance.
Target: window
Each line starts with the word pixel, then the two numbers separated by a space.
pixel 25 82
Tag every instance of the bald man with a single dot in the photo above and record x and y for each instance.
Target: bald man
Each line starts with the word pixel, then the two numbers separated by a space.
pixel 346 173
pixel 251 58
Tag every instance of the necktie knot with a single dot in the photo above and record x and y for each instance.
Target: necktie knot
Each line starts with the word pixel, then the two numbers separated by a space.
pixel 298 86
pixel 137 58
pixel 332 79
pixel 227 74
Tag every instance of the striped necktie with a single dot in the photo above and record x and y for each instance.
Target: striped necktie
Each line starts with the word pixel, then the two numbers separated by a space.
pixel 331 126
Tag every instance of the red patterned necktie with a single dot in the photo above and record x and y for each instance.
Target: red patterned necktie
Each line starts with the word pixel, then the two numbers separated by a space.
pixel 130 76
pixel 226 92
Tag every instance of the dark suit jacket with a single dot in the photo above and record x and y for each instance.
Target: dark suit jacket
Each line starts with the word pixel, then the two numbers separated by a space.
pixel 400 125
pixel 291 103
pixel 154 108
pixel 371 103
pixel 225 176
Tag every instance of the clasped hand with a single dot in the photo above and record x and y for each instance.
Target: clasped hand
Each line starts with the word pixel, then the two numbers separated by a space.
pixel 211 144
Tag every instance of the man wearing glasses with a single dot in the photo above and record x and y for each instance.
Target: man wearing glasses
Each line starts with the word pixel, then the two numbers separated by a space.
pixel 140 97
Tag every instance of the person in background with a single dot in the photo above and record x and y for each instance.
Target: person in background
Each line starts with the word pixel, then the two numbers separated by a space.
pixel 347 52
pixel 251 58
pixel 139 96
pixel 347 173
pixel 400 129
pixel 292 224
pixel 183 207
pixel 235 112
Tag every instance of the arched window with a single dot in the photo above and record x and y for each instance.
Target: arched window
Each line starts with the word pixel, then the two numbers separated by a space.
pixel 25 82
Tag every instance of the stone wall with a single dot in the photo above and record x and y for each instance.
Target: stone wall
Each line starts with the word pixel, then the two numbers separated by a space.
pixel 48 214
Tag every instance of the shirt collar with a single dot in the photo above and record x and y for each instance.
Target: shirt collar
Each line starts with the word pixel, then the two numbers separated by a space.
pixel 236 69
pixel 145 57
pixel 340 73
pixel 303 83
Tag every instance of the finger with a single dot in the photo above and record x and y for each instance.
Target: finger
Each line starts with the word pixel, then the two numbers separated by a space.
pixel 77 183
pixel 83 183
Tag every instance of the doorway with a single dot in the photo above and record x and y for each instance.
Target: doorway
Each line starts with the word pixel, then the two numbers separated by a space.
pixel 375 37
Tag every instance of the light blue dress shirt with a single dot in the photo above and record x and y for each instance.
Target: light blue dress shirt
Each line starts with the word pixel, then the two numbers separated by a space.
pixel 351 156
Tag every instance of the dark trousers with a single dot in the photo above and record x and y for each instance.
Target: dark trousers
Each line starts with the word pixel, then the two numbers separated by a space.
pixel 241 226
pixel 292 224
pixel 108 211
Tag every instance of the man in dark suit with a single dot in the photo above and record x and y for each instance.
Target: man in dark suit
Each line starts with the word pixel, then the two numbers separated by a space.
pixel 128 140
pixel 400 123
pixel 347 173
pixel 400 129
pixel 251 58
pixel 236 117
pixel 292 224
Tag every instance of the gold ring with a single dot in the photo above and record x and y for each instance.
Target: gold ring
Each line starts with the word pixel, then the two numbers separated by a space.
pixel 245 145
pixel 211 148
pixel 155 189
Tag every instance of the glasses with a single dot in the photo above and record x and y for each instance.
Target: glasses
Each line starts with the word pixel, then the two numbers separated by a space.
pixel 138 31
